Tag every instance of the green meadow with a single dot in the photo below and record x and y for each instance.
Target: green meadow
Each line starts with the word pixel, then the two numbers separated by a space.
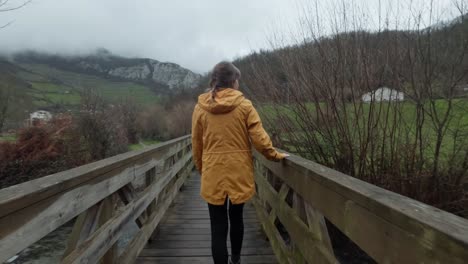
pixel 50 86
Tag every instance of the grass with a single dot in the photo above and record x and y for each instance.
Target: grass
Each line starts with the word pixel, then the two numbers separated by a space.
pixel 45 93
pixel 407 118
pixel 53 86
pixel 142 144
pixel 7 138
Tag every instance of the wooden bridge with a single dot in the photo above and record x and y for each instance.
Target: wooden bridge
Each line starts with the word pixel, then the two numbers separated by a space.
pixel 157 189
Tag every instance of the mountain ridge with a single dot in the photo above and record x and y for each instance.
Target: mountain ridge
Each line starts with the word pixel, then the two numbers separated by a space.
pixel 165 75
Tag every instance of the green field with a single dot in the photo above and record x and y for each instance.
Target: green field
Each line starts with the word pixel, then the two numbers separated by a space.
pixel 142 144
pixel 7 138
pixel 357 118
pixel 51 86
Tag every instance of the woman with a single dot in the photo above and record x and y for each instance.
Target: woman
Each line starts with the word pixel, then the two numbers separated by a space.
pixel 224 125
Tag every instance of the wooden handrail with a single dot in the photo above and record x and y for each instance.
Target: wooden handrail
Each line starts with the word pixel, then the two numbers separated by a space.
pixel 31 210
pixel 389 227
pixel 298 193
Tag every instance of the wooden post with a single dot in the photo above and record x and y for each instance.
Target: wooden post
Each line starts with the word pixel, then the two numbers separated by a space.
pixel 298 206
pixel 127 194
pixel 150 178
pixel 85 224
pixel 108 210
pixel 317 225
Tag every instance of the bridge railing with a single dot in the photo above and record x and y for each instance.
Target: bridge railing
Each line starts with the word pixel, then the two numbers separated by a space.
pixel 89 194
pixel 296 196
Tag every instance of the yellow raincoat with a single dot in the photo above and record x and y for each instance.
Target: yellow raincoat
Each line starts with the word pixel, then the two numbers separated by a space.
pixel 222 133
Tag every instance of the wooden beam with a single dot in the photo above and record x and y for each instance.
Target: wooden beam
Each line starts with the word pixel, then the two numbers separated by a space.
pixel 84 226
pixel 127 194
pixel 108 211
pixel 276 242
pixel 317 224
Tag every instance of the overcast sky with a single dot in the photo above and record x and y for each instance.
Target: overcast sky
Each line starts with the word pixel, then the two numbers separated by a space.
pixel 193 33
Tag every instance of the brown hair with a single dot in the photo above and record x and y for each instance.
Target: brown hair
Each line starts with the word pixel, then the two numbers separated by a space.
pixel 224 75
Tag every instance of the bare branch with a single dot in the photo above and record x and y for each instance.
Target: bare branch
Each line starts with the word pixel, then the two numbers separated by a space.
pixel 2 3
pixel 6 25
pixel 13 8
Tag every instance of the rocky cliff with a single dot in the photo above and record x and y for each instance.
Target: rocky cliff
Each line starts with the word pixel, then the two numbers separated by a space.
pixel 102 62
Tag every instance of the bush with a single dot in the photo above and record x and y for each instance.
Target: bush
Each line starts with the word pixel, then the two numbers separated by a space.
pixel 61 144
pixel 38 151
pixel 101 135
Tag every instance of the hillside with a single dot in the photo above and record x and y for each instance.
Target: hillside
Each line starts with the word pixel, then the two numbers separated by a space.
pixel 386 54
pixel 102 63
pixel 31 81
pixel 56 82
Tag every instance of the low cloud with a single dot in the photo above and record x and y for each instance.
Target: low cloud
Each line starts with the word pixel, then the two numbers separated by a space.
pixel 195 34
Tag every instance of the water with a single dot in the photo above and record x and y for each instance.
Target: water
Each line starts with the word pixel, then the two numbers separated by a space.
pixel 50 249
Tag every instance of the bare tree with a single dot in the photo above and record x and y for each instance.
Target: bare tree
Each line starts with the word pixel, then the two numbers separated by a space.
pixel 179 120
pixel 5 95
pixel 8 93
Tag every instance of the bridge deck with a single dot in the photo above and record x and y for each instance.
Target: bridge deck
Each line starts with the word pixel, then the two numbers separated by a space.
pixel 184 234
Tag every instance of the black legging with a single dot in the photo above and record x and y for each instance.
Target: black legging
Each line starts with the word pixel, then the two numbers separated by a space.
pixel 219 231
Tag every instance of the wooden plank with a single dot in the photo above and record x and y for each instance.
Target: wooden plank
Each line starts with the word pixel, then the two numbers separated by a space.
pixel 172 221
pixel 150 177
pixel 202 243
pixel 108 211
pixel 415 230
pixel 188 214
pixel 200 215
pixel 190 235
pixel 317 224
pixel 297 206
pixel 175 229
pixel 138 242
pixel 187 252
pixel 203 236
pixel 263 259
pixel 107 235
pixel 277 244
pixel 83 227
pixel 127 194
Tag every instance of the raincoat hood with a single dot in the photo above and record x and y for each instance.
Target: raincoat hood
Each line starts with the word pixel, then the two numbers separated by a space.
pixel 225 101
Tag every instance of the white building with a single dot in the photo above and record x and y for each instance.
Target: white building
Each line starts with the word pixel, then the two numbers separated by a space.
pixel 39 116
pixel 383 94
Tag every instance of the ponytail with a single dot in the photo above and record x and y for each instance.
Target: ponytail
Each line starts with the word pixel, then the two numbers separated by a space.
pixel 213 94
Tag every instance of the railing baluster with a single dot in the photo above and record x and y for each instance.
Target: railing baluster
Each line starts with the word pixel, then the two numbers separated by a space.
pixel 150 178
pixel 107 212
pixel 298 206
pixel 317 225
pixel 127 194
pixel 85 224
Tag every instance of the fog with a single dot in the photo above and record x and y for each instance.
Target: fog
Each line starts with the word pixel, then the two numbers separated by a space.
pixel 195 34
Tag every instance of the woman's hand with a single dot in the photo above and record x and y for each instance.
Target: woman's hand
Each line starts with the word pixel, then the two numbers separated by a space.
pixel 281 156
